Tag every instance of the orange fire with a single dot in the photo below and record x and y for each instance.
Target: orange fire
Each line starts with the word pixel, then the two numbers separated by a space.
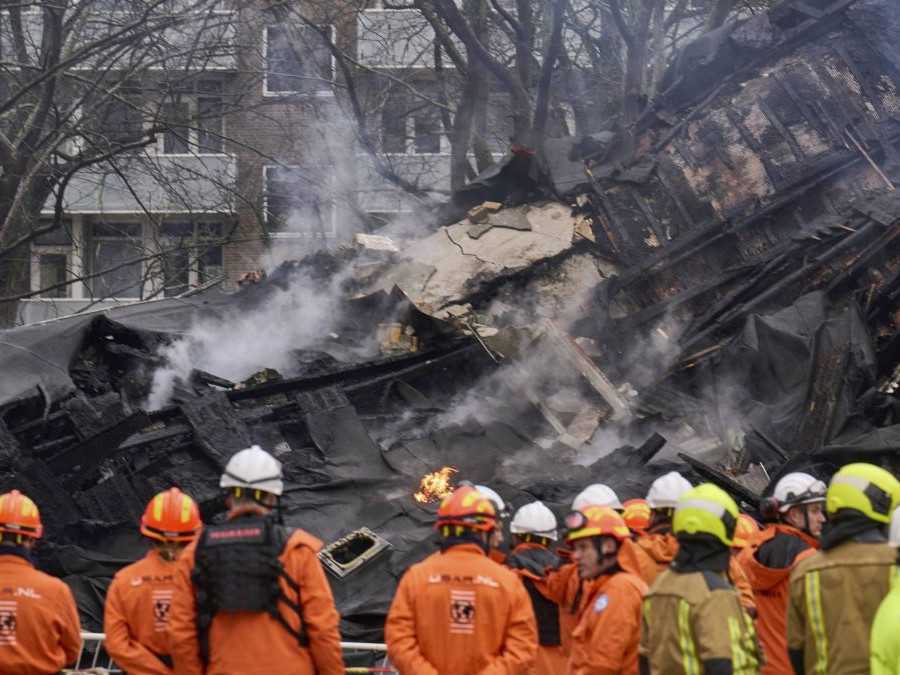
pixel 434 486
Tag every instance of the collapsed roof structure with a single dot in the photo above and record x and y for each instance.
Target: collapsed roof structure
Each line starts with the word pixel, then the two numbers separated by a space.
pixel 716 287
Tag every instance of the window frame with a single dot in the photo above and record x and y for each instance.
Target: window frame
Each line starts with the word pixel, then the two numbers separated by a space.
pixel 91 239
pixel 192 99
pixel 318 93
pixel 194 254
pixel 38 250
pixel 331 232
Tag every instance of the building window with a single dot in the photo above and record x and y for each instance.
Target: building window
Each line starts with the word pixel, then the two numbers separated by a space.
pixel 410 126
pixel 176 139
pixel 191 255
pixel 52 272
pixel 210 118
pixel 194 122
pixel 114 260
pixel 298 61
pixel 293 204
pixel 118 120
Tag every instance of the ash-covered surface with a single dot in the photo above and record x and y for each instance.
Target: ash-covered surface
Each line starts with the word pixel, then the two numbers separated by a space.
pixel 716 289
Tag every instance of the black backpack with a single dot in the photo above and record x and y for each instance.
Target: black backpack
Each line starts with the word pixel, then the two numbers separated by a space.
pixel 236 569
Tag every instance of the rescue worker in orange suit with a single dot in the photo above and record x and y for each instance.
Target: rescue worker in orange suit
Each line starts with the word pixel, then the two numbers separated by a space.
pixel 39 629
pixel 606 639
pixel 496 545
pixel 795 513
pixel 636 514
pixel 458 611
pixel 659 544
pixel 533 529
pixel 661 547
pixel 564 584
pixel 250 594
pixel 835 592
pixel 139 599
pixel 693 621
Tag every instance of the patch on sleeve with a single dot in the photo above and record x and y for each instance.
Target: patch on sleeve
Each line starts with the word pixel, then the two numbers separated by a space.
pixel 8 611
pixel 601 603
pixel 462 611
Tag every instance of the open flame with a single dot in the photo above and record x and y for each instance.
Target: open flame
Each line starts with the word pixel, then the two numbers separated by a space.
pixel 434 486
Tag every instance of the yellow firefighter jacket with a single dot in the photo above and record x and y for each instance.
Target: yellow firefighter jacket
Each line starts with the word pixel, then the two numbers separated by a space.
pixel 693 623
pixel 833 600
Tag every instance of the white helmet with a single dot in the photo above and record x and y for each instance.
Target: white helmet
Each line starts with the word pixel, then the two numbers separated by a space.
pixel 534 518
pixel 253 468
pixel 666 490
pixel 597 494
pixel 496 499
pixel 894 532
pixel 798 488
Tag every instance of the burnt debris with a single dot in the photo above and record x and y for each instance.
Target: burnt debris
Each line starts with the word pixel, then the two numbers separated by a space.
pixel 714 289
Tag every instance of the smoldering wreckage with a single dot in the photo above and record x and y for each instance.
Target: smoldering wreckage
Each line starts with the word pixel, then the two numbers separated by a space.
pixel 714 289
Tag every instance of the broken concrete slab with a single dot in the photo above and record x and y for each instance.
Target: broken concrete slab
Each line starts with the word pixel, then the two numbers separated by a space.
pixel 462 263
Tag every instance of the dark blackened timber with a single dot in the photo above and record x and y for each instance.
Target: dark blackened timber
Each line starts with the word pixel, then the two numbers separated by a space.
pixel 778 125
pixel 219 432
pixel 88 454
pixel 773 172
pixel 354 375
pixel 9 447
pixel 828 373
pixel 721 479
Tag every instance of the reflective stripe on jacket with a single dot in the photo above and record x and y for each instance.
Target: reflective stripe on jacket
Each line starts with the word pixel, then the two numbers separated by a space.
pixel 661 549
pixel 771 589
pixel 693 623
pixel 833 600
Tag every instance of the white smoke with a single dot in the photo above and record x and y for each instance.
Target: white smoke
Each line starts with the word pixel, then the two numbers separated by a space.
pixel 240 344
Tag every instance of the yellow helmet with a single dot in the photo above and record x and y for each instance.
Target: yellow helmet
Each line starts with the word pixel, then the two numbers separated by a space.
pixel 706 509
pixel 866 488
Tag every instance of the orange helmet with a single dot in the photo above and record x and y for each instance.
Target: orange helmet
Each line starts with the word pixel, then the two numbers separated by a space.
pixel 171 516
pixel 596 521
pixel 20 516
pixel 744 531
pixel 467 507
pixel 637 514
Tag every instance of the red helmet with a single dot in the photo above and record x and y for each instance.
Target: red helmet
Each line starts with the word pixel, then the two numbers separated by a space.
pixel 467 507
pixel 20 516
pixel 744 531
pixel 171 516
pixel 637 514
pixel 596 521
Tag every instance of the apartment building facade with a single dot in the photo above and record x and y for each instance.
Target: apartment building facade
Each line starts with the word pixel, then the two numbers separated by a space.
pixel 260 160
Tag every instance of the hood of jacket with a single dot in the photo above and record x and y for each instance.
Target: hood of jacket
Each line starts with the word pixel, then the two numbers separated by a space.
pixel 662 547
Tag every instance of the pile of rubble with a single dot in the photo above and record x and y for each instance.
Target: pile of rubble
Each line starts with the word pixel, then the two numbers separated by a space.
pixel 715 288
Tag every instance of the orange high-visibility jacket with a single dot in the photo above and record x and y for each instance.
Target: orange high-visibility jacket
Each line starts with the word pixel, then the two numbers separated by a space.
pixel 40 632
pixel 564 588
pixel 608 634
pixel 459 612
pixel 662 549
pixel 772 588
pixel 249 643
pixel 136 616
pixel 550 660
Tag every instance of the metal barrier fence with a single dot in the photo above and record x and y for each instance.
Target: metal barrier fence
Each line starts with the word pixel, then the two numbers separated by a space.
pixel 93 655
